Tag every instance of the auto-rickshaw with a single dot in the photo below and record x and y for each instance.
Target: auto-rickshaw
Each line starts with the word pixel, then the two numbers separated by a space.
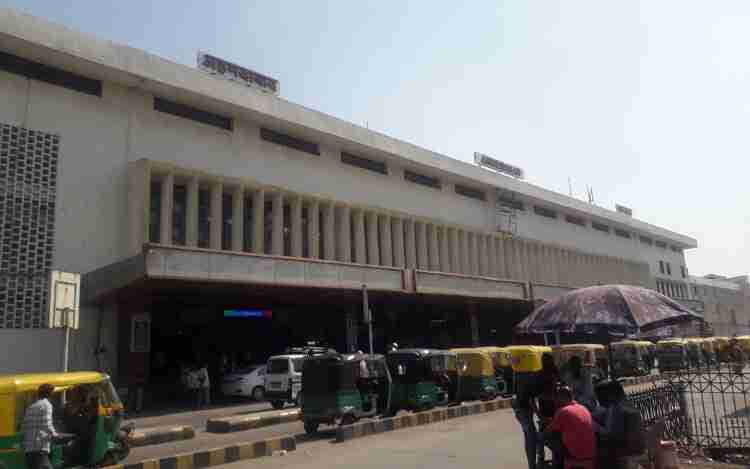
pixel 628 358
pixel 92 414
pixel 503 369
pixel 526 361
pixel 672 354
pixel 721 346
pixel 478 379
pixel 342 388
pixel 592 357
pixel 648 352
pixel 694 347
pixel 416 379
pixel 710 353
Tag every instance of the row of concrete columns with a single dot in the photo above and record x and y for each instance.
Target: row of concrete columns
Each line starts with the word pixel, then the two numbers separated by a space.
pixel 351 234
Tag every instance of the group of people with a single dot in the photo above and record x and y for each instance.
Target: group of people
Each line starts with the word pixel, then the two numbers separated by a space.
pixel 196 381
pixel 562 411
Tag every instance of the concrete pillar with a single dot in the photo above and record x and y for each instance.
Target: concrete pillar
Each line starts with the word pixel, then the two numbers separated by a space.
pixel 397 228
pixel 543 264
pixel 313 229
pixel 360 253
pixel 238 219
pixel 455 254
pixel 445 257
pixel 509 259
pixel 422 253
pixel 329 231
pixel 433 247
pixel 295 225
pixel 373 249
pixel 386 251
pixel 167 208
pixel 523 261
pixel 277 225
pixel 352 331
pixel 463 247
pixel 217 192
pixel 481 254
pixel 471 267
pixel 555 265
pixel 191 215
pixel 410 244
pixel 500 256
pixel 344 235
pixel 259 220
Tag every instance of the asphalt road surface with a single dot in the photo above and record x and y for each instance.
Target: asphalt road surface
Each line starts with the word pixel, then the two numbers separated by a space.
pixel 490 440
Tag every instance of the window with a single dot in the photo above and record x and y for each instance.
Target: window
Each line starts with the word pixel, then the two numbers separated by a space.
pixel 600 227
pixel 421 179
pixel 676 249
pixel 545 212
pixel 510 203
pixel 683 271
pixel 695 290
pixel 669 269
pixel 647 240
pixel 661 267
pixel 661 244
pixel 278 366
pixel 289 141
pixel 188 112
pixel 297 364
pixel 469 192
pixel 575 220
pixel 364 163
pixel 622 233
pixel 53 76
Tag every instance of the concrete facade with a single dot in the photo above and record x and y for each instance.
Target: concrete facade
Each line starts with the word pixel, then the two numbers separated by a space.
pixel 117 152
pixel 726 303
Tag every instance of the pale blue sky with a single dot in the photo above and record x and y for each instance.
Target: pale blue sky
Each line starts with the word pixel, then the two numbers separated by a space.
pixel 646 101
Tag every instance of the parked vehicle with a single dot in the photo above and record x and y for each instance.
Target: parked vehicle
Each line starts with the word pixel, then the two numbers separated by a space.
pixel 246 382
pixel 416 379
pixel 342 388
pixel 93 416
pixel 526 362
pixel 478 379
pixel 628 358
pixel 721 345
pixel 593 358
pixel 283 380
pixel 695 352
pixel 710 354
pixel 672 354
pixel 503 368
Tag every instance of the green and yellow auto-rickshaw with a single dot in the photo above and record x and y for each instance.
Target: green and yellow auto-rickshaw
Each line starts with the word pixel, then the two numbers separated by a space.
pixel 628 358
pixel 672 354
pixel 478 379
pixel 416 380
pixel 648 352
pixel 92 413
pixel 342 388
pixel 593 358
pixel 503 368
pixel 526 362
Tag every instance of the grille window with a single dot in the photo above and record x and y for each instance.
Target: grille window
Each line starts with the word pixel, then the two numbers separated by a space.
pixel 669 269
pixel 661 267
pixel 289 141
pixel 469 192
pixel 188 112
pixel 575 220
pixel 622 233
pixel 661 244
pixel 647 240
pixel 545 212
pixel 510 203
pixel 364 163
pixel 600 227
pixel 53 76
pixel 421 179
pixel 676 249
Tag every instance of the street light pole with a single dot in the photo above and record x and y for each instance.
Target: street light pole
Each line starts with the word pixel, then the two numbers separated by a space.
pixel 367 314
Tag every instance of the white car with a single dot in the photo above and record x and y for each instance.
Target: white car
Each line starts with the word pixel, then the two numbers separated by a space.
pixel 247 382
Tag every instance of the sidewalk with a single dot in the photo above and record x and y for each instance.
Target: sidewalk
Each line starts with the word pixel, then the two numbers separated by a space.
pixel 183 415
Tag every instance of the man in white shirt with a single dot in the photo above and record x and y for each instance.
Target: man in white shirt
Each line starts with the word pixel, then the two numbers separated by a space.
pixel 38 430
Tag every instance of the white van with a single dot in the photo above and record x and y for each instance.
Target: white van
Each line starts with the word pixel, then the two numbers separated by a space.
pixel 284 379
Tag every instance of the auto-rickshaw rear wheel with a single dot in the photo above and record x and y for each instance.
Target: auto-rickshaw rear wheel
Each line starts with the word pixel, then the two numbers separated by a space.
pixel 311 426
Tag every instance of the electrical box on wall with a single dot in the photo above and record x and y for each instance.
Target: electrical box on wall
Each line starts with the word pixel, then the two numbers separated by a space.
pixel 65 289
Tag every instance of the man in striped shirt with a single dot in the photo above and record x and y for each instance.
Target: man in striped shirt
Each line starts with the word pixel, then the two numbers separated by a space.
pixel 38 430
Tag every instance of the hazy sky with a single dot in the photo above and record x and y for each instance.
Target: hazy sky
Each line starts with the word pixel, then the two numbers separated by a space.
pixel 648 102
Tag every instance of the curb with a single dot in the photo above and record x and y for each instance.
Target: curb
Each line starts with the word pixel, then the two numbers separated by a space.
pixel 155 436
pixel 216 456
pixel 358 430
pixel 238 423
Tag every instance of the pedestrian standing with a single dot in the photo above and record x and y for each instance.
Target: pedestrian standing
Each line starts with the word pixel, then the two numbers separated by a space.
pixel 737 355
pixel 528 388
pixel 38 430
pixel 193 385
pixel 205 386
pixel 570 435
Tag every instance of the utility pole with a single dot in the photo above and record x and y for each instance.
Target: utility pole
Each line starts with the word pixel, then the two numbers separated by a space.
pixel 367 314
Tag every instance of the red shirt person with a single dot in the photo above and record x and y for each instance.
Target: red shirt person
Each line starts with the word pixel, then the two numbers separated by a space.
pixel 573 423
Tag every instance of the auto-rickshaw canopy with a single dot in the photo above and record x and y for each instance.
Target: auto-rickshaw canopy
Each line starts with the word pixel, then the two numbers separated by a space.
pixel 588 353
pixel 500 356
pixel 477 362
pixel 527 358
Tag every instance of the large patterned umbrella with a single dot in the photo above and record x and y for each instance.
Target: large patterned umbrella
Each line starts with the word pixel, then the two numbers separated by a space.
pixel 614 309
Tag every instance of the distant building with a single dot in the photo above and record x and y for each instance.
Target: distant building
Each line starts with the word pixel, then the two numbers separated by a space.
pixel 726 302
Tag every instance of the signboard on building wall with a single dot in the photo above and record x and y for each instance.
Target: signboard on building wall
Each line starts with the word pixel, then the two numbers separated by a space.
pixel 496 165
pixel 220 67
pixel 64 299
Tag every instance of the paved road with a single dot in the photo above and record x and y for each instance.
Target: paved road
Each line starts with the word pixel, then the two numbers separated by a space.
pixel 491 440
pixel 197 418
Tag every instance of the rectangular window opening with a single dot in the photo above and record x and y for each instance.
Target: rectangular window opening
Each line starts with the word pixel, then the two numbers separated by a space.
pixel 188 112
pixel 510 203
pixel 421 179
pixel 669 269
pixel 661 267
pixel 647 240
pixel 470 192
pixel 179 215
pixel 545 212
pixel 622 233
pixel 54 76
pixel 364 163
pixel 661 244
pixel 575 220
pixel 600 227
pixel 289 141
